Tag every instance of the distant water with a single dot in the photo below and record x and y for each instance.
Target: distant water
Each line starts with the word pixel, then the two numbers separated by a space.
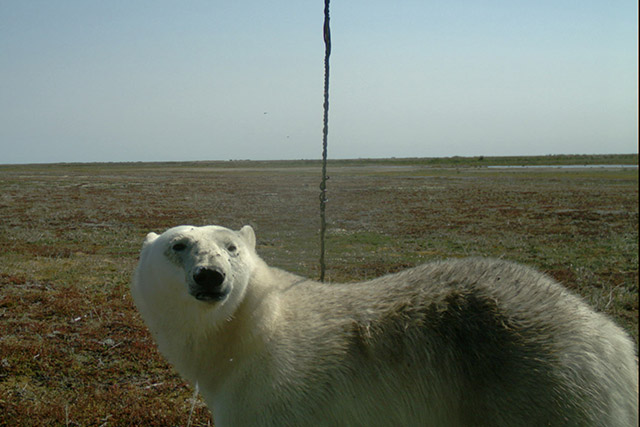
pixel 563 166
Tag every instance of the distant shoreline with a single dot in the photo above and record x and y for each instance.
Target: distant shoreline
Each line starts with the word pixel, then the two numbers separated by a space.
pixel 563 166
pixel 588 160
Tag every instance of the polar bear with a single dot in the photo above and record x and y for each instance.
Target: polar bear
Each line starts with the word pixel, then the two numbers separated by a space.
pixel 467 342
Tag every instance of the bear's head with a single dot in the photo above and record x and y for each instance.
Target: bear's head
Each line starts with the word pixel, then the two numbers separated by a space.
pixel 207 268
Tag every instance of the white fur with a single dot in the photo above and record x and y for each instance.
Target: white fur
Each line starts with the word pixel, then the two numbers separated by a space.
pixel 455 343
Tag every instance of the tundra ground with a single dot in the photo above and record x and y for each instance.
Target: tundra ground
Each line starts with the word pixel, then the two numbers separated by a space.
pixel 74 351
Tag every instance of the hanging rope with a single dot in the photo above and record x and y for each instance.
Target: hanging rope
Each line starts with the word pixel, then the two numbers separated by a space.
pixel 325 131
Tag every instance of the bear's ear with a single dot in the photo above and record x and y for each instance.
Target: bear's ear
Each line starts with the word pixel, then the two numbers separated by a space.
pixel 249 236
pixel 149 239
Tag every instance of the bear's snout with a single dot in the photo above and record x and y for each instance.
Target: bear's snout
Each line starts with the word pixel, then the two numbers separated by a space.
pixel 208 284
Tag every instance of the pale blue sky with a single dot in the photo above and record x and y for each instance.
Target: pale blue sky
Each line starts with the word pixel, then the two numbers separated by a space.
pixel 133 80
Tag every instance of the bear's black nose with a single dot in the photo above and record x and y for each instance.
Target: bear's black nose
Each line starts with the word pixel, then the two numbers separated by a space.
pixel 209 284
pixel 208 277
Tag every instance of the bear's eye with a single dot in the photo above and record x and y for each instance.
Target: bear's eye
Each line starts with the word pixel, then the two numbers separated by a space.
pixel 231 247
pixel 178 247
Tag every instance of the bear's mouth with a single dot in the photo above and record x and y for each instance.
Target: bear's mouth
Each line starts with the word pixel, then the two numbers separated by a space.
pixel 210 296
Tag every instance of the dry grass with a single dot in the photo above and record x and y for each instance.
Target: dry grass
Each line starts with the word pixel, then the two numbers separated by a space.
pixel 73 350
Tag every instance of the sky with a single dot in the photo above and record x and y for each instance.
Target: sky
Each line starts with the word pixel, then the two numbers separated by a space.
pixel 121 80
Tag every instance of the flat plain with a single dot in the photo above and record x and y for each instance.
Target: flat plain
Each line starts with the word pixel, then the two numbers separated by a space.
pixel 74 351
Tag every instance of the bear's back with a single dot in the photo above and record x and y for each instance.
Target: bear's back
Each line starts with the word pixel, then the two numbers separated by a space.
pixel 496 342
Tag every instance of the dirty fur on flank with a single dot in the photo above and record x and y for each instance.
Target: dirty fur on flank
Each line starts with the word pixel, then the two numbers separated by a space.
pixel 466 342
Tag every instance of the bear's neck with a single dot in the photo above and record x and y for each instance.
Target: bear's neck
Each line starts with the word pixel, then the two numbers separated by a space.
pixel 240 341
